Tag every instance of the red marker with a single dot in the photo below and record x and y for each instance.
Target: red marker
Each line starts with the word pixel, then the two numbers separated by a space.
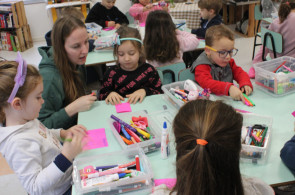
pixel 137 163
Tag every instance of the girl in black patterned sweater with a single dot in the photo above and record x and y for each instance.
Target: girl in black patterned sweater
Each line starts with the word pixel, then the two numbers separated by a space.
pixel 132 77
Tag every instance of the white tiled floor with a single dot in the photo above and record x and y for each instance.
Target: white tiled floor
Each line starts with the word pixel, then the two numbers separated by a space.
pixel 9 183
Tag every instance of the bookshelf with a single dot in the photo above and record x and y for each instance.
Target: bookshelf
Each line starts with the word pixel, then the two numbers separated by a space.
pixel 14 29
pixel 54 6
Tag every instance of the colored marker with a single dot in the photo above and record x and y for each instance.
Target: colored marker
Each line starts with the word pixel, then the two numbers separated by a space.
pixel 137 139
pixel 125 132
pixel 137 163
pixel 288 68
pixel 248 99
pixel 66 140
pixel 107 172
pixel 123 123
pixel 128 142
pixel 279 67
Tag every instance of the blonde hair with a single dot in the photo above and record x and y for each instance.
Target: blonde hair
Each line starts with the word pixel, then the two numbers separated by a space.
pixel 8 70
pixel 217 32
pixel 74 12
pixel 216 5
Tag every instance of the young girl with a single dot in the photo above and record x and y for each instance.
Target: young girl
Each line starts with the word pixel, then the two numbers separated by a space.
pixel 208 144
pixel 34 152
pixel 132 77
pixel 141 9
pixel 285 26
pixel 163 43
pixel 64 74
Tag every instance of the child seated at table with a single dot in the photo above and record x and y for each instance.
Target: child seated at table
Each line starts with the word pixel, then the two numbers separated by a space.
pixel 163 43
pixel 208 143
pixel 132 78
pixel 106 14
pixel 215 69
pixel 209 16
pixel 285 26
pixel 34 152
pixel 141 9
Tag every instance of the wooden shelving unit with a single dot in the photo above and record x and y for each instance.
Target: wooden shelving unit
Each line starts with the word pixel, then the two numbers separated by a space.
pixel 14 29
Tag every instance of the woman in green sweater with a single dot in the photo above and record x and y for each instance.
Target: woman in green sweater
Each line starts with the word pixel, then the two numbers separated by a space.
pixel 63 70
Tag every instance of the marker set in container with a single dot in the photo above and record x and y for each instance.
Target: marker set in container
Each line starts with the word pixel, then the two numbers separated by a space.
pixel 137 131
pixel 254 135
pixel 98 175
pixel 185 95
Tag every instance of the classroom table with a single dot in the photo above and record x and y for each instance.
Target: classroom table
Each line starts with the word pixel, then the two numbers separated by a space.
pixel 190 12
pixel 233 5
pixel 273 172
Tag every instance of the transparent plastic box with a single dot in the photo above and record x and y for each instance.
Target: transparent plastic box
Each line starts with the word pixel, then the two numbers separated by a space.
pixel 180 85
pixel 147 145
pixel 141 184
pixel 256 154
pixel 276 84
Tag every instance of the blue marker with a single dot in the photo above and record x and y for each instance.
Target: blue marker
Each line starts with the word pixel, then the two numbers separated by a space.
pixel 125 132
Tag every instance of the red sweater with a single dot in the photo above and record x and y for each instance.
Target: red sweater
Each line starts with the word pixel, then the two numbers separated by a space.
pixel 205 80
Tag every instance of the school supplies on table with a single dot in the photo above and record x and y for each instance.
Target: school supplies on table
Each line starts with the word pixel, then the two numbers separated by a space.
pixel 115 174
pixel 255 138
pixel 136 129
pixel 248 101
pixel 276 76
pixel 96 138
pixel 123 107
pixel 183 91
pixel 165 148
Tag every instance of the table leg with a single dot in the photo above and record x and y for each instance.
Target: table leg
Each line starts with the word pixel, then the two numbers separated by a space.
pixel 84 10
pixel 231 19
pixel 224 13
pixel 54 15
pixel 251 21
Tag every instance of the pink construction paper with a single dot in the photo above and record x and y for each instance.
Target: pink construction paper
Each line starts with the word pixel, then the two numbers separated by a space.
pixel 169 182
pixel 142 24
pixel 123 107
pixel 293 113
pixel 96 138
pixel 108 28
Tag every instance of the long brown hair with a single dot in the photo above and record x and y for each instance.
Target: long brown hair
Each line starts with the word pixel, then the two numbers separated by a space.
pixel 213 168
pixel 126 32
pixel 286 7
pixel 8 70
pixel 160 42
pixel 72 83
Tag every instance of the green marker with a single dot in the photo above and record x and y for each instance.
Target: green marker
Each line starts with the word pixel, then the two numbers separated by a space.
pixel 66 140
pixel 248 99
pixel 263 136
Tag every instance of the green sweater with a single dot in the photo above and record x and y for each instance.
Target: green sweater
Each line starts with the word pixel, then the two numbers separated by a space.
pixel 52 113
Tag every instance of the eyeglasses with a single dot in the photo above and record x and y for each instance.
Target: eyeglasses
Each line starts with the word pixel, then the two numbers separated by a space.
pixel 223 54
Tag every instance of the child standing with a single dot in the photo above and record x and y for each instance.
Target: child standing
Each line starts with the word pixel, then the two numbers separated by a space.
pixel 163 43
pixel 208 144
pixel 285 26
pixel 34 152
pixel 64 74
pixel 141 9
pixel 106 14
pixel 132 78
pixel 209 16
pixel 215 69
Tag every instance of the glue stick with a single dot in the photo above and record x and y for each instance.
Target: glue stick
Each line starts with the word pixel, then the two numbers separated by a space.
pixel 165 150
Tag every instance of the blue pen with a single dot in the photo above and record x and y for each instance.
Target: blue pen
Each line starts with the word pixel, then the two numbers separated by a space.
pixel 105 167
pixel 125 132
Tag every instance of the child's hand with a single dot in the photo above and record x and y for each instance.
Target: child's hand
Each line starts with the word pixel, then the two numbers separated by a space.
pixel 117 26
pixel 70 131
pixel 114 98
pixel 246 89
pixel 236 93
pixel 81 104
pixel 147 7
pixel 135 96
pixel 72 148
pixel 111 23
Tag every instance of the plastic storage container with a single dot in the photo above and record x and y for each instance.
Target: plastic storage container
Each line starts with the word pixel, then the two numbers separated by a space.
pixel 276 84
pixel 141 184
pixel 178 85
pixel 147 145
pixel 256 154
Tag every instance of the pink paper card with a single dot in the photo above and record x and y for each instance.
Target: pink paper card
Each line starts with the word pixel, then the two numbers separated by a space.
pixel 169 182
pixel 96 138
pixel 142 24
pixel 123 107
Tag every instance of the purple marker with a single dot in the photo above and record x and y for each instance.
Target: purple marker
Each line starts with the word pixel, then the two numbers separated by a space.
pixel 123 123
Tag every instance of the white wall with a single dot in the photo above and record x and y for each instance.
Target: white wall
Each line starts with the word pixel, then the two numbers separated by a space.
pixel 40 19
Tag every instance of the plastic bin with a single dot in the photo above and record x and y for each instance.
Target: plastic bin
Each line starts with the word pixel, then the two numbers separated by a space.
pixel 256 154
pixel 147 145
pixel 141 184
pixel 178 85
pixel 276 84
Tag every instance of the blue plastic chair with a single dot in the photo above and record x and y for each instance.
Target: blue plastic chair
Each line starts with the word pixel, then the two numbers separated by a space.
pixel 169 73
pixel 186 74
pixel 272 40
pixel 257 16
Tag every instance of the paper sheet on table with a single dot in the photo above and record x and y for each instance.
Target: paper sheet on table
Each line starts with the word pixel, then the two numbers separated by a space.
pixel 96 138
pixel 169 182
pixel 123 107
